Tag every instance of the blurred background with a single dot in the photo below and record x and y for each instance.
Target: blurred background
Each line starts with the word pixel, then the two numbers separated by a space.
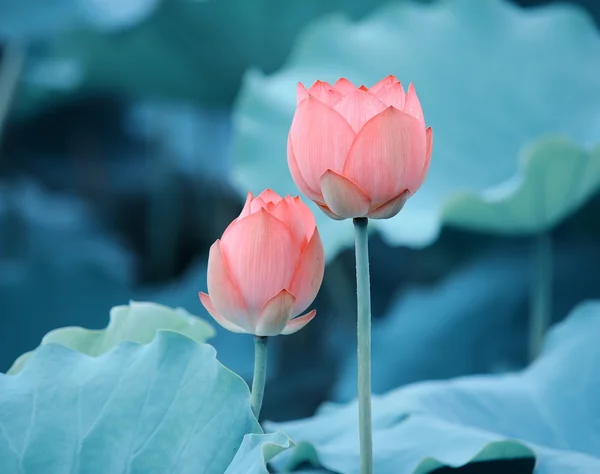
pixel 131 131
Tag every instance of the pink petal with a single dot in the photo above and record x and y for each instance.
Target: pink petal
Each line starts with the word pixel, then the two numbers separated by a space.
pixel 309 274
pixel 270 196
pixel 246 210
pixel 429 145
pixel 298 323
pixel 412 105
pixel 390 92
pixel 225 294
pixel 257 204
pixel 358 107
pixel 344 86
pixel 262 257
pixel 301 93
pixel 297 175
pixel 344 197
pixel 321 139
pixel 390 208
pixel 288 213
pixel 275 314
pixel 208 305
pixel 328 212
pixel 325 93
pixel 386 156
pixel 308 218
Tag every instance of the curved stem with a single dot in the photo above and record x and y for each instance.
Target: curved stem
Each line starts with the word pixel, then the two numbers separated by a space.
pixel 260 374
pixel 363 291
pixel 541 294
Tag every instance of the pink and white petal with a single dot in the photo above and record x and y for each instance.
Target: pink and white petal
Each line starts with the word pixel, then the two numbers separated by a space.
pixel 270 196
pixel 298 323
pixel 262 256
pixel 344 197
pixel 421 178
pixel 275 314
pixel 246 210
pixel 287 212
pixel 325 93
pixel 390 208
pixel 359 107
pixel 390 92
pixel 329 213
pixel 308 275
pixel 387 154
pixel 412 106
pixel 308 218
pixel 208 305
pixel 321 139
pixel 303 186
pixel 344 86
pixel 225 294
pixel 301 93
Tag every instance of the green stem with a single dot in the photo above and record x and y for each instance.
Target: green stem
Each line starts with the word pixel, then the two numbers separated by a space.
pixel 364 344
pixel 541 294
pixel 260 374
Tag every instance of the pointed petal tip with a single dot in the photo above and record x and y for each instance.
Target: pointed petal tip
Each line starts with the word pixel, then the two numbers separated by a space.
pixel 343 196
pixel 298 323
pixel 275 314
pixel 226 324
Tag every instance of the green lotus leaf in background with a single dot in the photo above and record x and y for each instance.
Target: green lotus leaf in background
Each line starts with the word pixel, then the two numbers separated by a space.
pixel 167 406
pixel 194 50
pixel 549 410
pixel 492 78
pixel 137 322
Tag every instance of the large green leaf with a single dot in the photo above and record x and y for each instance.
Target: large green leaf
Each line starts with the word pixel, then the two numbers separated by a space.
pixel 549 410
pixel 137 322
pixel 490 81
pixel 190 50
pixel 167 406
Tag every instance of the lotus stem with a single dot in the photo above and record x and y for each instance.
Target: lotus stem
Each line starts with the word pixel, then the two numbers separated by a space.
pixel 541 294
pixel 363 288
pixel 260 374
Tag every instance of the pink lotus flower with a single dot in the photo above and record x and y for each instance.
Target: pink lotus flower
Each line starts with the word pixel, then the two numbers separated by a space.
pixel 359 152
pixel 267 268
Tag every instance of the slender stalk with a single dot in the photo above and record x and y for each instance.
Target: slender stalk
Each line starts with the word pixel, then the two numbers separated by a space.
pixel 541 294
pixel 260 374
pixel 363 288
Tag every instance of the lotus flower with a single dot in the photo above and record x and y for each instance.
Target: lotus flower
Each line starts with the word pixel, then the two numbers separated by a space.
pixel 359 152
pixel 267 268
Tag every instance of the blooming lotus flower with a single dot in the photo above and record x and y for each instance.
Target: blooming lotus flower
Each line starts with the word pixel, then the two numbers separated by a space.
pixel 267 267
pixel 359 152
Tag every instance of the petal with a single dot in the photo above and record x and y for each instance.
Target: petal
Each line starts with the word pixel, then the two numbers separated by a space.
pixel 390 208
pixel 308 218
pixel 329 213
pixel 308 275
pixel 246 210
pixel 301 93
pixel 321 139
pixel 412 105
pixel 387 156
pixel 226 297
pixel 208 305
pixel 429 146
pixel 344 197
pixel 257 204
pixel 262 256
pixel 270 196
pixel 275 314
pixel 287 212
pixel 298 323
pixel 344 86
pixel 325 93
pixel 304 188
pixel 390 92
pixel 358 107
